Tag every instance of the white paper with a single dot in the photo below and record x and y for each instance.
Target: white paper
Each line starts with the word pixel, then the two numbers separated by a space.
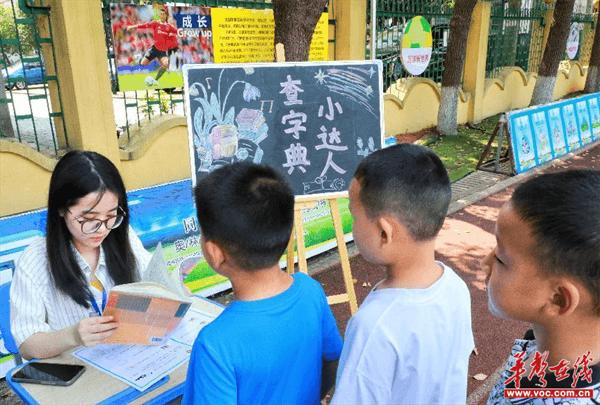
pixel 136 365
pixel 142 366
pixel 189 327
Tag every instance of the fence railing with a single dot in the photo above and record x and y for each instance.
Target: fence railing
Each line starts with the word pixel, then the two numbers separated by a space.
pixel 516 35
pixel 30 97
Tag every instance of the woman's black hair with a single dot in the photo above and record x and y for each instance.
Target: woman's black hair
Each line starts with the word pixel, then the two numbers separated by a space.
pixel 76 175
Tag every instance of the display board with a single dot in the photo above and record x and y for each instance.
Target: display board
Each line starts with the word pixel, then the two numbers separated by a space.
pixel 542 133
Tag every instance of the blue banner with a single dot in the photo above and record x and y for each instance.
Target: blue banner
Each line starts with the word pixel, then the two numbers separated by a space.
pixel 542 133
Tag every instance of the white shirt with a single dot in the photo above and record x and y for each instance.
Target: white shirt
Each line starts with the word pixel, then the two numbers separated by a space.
pixel 36 305
pixel 408 346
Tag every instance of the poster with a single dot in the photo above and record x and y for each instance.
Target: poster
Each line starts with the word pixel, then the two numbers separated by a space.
pixel 559 145
pixel 584 122
pixel 573 140
pixel 246 36
pixel 542 138
pixel 595 115
pixel 151 43
pixel 522 141
pixel 312 121
pixel 417 45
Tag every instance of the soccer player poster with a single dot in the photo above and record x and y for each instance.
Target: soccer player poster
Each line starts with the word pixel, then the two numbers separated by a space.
pixel 152 43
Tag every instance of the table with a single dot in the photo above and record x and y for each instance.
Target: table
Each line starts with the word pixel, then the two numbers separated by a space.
pixel 96 387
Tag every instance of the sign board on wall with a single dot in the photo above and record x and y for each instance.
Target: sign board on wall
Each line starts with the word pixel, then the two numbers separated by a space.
pixel 417 45
pixel 542 133
pixel 313 122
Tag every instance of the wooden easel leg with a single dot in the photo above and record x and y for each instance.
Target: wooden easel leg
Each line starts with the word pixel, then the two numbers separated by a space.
pixel 290 253
pixel 300 248
pixel 344 260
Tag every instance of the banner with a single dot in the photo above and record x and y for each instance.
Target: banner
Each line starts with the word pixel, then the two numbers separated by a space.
pixel 542 133
pixel 152 42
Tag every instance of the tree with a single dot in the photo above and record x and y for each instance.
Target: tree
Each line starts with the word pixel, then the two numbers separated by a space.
pixel 453 66
pixel 553 53
pixel 295 22
pixel 592 83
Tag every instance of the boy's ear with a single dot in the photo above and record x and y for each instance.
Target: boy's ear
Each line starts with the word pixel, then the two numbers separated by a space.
pixel 565 298
pixel 386 230
pixel 215 256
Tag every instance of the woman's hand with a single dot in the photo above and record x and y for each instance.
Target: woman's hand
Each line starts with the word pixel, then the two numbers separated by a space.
pixel 95 329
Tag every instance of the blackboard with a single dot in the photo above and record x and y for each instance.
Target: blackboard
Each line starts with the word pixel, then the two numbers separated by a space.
pixel 312 121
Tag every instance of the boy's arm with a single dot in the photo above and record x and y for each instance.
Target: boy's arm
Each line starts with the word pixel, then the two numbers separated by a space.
pixel 210 379
pixel 332 348
pixel 328 376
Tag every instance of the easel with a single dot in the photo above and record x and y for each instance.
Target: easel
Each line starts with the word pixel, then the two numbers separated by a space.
pixel 501 159
pixel 297 236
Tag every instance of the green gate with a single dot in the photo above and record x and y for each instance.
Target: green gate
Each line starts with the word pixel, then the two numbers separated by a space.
pixel 516 35
pixel 30 98
pixel 391 18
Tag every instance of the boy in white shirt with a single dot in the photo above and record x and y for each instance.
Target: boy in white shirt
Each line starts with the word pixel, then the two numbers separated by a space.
pixel 410 341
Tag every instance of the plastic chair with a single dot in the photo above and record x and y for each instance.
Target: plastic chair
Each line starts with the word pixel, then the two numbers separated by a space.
pixel 9 341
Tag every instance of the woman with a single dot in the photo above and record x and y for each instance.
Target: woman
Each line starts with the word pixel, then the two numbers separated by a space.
pixel 60 284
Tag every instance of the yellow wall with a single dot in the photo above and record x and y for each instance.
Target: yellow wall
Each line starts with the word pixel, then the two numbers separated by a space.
pixel 24 178
pixel 159 154
pixel 412 105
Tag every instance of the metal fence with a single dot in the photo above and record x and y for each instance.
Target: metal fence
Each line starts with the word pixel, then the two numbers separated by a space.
pixel 390 21
pixel 587 21
pixel 516 35
pixel 133 108
pixel 30 97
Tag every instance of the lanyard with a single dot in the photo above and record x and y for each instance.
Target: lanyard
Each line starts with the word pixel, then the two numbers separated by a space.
pixel 95 304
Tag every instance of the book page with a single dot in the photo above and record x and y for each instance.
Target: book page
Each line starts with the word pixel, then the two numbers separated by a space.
pixel 158 272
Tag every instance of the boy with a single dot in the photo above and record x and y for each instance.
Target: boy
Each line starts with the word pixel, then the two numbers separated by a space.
pixel 545 270
pixel 410 341
pixel 269 345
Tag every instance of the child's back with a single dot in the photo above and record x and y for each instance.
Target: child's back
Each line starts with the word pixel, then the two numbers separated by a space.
pixel 415 346
pixel 267 351
pixel 275 342
pixel 411 339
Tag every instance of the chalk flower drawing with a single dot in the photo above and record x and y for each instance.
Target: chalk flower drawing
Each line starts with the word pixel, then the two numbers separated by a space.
pixel 221 137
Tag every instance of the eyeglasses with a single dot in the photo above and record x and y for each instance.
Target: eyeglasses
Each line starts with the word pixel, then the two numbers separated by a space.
pixel 89 226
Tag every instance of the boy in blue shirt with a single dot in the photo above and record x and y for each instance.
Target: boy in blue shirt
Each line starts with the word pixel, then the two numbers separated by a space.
pixel 277 343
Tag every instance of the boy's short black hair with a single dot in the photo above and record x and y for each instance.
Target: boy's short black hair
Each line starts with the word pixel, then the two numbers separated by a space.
pixel 410 182
pixel 563 211
pixel 248 210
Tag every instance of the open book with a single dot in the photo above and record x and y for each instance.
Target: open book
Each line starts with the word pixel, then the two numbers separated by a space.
pixel 149 310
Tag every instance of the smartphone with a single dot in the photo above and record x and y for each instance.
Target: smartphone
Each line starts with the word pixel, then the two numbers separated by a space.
pixel 49 373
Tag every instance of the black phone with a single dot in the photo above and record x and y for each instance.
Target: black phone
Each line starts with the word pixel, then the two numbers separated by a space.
pixel 48 373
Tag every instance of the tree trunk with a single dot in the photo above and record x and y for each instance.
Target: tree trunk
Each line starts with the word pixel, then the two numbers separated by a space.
pixel 592 83
pixel 553 53
pixel 295 22
pixel 453 66
pixel 6 129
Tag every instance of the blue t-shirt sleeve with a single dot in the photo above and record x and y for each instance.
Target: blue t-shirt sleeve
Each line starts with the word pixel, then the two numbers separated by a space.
pixel 210 379
pixel 332 341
